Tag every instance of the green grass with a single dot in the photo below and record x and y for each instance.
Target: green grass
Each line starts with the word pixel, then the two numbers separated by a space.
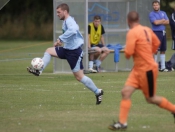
pixel 58 103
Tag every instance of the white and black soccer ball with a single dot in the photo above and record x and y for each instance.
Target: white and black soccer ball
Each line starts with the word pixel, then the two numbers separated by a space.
pixel 37 63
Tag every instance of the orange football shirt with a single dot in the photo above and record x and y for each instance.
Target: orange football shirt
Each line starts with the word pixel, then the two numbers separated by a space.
pixel 141 43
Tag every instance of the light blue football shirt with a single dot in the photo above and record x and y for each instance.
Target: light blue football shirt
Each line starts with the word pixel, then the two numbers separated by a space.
pixel 71 37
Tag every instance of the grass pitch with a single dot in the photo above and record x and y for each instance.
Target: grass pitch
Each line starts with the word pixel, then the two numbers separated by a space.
pixel 58 103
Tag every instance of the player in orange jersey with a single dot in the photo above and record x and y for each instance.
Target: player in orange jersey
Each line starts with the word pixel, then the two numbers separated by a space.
pixel 141 44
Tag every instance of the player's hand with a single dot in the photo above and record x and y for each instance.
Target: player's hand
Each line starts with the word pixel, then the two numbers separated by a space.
pixel 58 43
pixel 55 44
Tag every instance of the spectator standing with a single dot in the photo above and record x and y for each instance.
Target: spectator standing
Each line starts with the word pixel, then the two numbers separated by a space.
pixel 158 20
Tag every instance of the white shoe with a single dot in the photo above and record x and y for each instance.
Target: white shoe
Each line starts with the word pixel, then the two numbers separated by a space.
pixel 92 70
pixel 163 70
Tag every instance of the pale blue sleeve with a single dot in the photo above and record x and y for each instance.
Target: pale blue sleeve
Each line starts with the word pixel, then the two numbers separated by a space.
pixel 71 30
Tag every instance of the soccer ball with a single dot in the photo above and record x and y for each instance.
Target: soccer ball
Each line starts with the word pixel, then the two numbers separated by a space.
pixel 37 63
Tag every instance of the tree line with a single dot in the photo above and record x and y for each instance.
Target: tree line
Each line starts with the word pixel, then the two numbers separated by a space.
pixel 33 19
pixel 27 19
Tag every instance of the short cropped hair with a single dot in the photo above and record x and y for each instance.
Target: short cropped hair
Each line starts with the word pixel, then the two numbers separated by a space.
pixel 133 16
pixel 97 17
pixel 63 6
pixel 155 1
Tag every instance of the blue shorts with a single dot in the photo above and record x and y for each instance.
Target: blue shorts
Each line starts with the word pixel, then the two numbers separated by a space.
pixel 74 57
pixel 162 38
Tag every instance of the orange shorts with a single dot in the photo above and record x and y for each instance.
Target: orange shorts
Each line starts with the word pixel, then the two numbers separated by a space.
pixel 144 80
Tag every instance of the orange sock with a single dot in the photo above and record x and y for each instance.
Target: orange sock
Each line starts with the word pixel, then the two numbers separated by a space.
pixel 125 106
pixel 165 104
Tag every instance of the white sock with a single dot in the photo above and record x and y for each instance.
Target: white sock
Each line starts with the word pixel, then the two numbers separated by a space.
pixel 162 61
pixel 90 85
pixel 98 63
pixel 46 58
pixel 91 63
pixel 155 58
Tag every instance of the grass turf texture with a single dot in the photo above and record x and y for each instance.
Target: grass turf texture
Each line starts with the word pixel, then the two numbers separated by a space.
pixel 58 103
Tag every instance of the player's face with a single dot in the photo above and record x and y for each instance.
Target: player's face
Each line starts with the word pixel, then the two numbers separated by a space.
pixel 61 14
pixel 156 6
pixel 97 22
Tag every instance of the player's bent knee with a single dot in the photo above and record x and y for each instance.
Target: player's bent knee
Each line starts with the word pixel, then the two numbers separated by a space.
pixel 78 78
pixel 49 50
pixel 78 75
pixel 125 94
pixel 150 100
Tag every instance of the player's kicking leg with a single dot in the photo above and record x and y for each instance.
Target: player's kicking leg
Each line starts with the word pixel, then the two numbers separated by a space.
pixel 46 58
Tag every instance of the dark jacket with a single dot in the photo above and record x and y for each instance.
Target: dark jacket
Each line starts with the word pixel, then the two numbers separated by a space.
pixel 172 25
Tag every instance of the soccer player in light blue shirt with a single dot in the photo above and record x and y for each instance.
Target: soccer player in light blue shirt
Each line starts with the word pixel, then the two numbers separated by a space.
pixel 158 21
pixel 71 37
pixel 71 51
